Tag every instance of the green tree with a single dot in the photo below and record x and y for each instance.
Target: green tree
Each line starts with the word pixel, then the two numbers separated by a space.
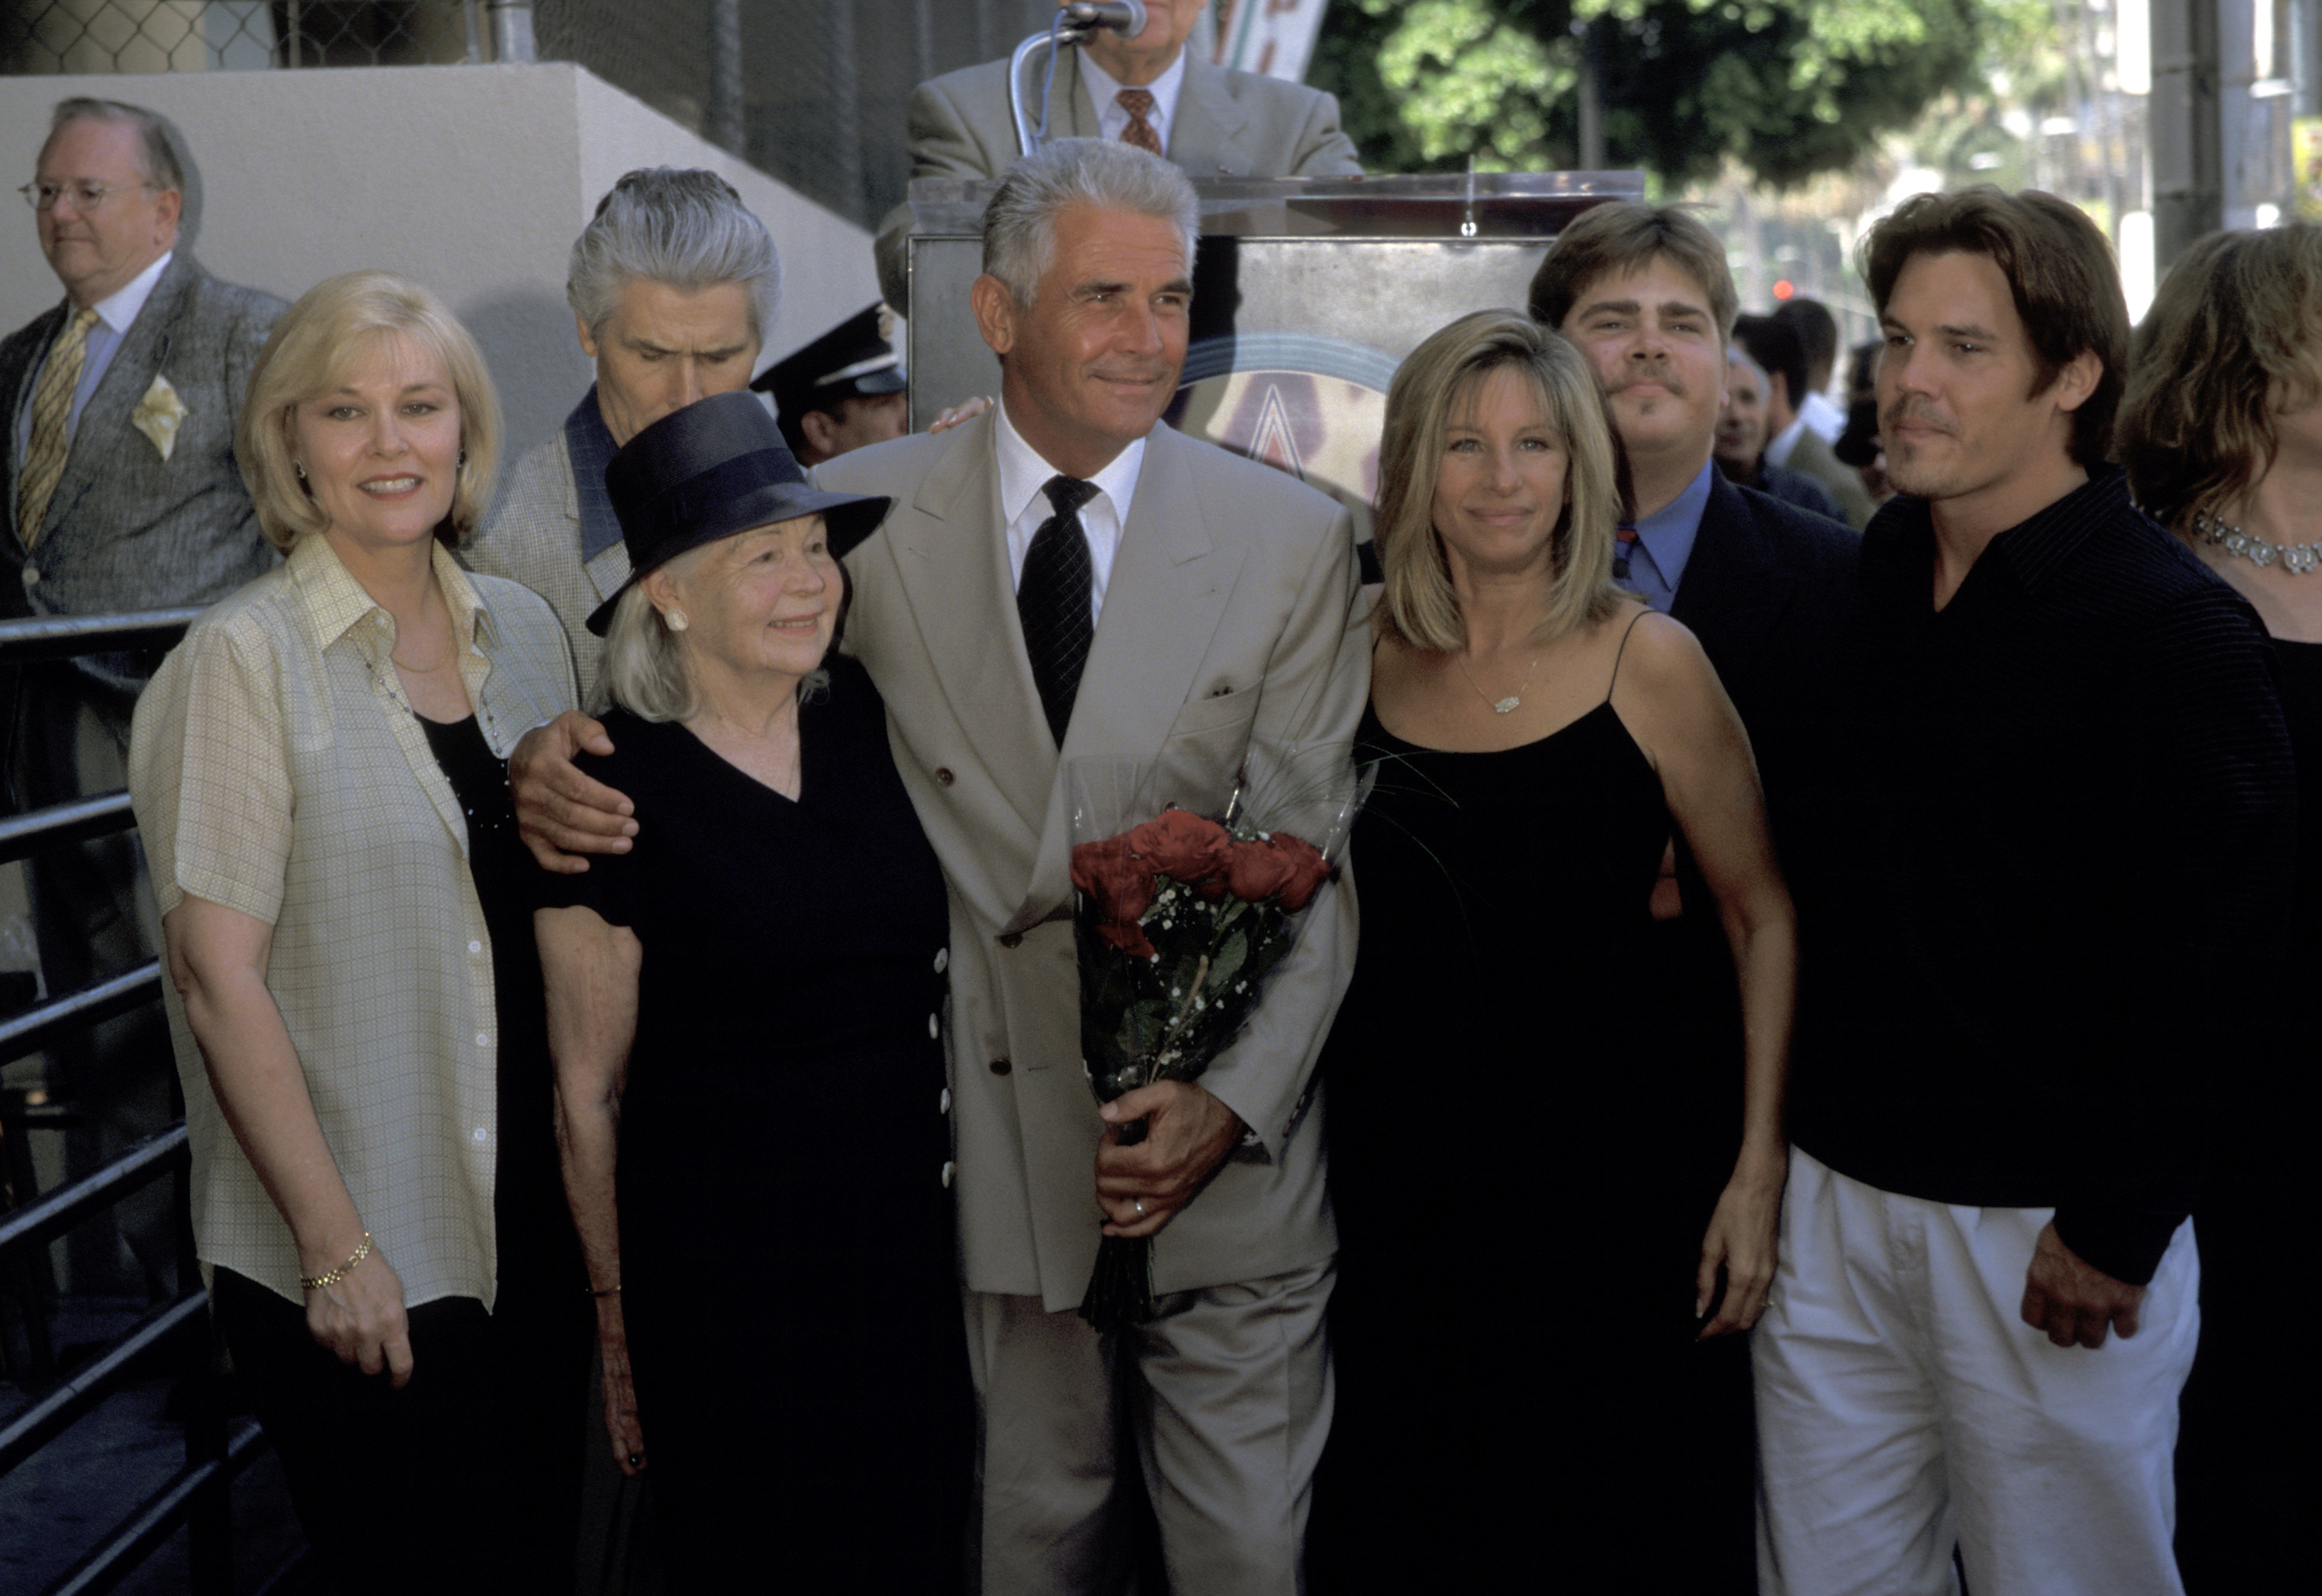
pixel 1788 90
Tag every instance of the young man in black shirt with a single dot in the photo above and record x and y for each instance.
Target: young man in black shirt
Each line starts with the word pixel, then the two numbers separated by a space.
pixel 2072 815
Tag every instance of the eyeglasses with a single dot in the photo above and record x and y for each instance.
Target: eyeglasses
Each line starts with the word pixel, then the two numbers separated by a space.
pixel 85 197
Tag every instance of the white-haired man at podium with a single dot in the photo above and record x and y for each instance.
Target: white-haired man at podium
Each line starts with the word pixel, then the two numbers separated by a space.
pixel 1146 90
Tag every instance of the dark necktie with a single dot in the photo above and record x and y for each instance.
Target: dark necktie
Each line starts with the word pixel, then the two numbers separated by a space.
pixel 1138 103
pixel 1626 540
pixel 1052 601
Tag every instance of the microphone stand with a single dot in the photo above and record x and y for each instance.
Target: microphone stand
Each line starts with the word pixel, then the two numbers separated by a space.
pixel 1063 32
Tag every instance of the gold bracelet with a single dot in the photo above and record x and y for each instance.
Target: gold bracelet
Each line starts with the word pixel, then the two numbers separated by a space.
pixel 341 1272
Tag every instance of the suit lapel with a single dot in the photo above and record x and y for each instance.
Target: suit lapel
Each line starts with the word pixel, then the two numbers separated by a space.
pixel 30 347
pixel 951 558
pixel 1167 595
pixel 1206 140
pixel 105 420
pixel 1734 590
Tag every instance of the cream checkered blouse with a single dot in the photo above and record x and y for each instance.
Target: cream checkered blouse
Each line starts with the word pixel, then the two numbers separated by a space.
pixel 276 768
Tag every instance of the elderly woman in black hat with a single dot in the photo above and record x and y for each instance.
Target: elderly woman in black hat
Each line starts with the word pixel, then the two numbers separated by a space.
pixel 745 1012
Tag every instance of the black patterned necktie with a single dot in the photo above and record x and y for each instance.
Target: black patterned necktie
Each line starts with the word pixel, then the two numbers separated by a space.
pixel 1052 601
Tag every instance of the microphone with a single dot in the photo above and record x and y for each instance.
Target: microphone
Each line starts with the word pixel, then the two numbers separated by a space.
pixel 1124 17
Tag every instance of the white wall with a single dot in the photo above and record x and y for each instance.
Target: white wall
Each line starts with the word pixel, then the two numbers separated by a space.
pixel 475 180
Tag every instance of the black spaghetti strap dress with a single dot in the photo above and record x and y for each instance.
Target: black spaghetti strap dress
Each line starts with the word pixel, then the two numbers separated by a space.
pixel 1521 1401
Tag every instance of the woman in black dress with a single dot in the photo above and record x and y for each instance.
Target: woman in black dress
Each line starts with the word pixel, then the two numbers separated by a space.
pixel 1521 1280
pixel 2221 431
pixel 746 1014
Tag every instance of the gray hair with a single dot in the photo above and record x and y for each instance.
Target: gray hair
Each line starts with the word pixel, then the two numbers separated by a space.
pixel 644 670
pixel 687 228
pixel 1019 224
pixel 157 155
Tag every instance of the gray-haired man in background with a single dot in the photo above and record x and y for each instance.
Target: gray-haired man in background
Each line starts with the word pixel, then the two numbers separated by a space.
pixel 672 284
pixel 118 478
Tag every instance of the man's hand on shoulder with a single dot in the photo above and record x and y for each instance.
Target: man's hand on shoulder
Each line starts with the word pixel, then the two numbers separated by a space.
pixel 1188 1132
pixel 560 812
pixel 2075 1302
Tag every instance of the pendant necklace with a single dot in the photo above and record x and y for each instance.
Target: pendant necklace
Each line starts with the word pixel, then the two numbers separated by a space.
pixel 1500 706
pixel 2297 559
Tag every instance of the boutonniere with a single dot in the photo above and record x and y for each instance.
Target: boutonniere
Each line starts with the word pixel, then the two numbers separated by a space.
pixel 158 415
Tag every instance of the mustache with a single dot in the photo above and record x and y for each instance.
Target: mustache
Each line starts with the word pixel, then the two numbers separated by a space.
pixel 1659 376
pixel 1906 411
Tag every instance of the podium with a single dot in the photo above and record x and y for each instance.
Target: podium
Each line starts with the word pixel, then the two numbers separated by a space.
pixel 1308 293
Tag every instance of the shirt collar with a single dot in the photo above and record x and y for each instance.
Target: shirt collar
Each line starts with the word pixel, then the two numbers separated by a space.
pixel 1102 85
pixel 1778 450
pixel 121 309
pixel 2037 546
pixel 1023 473
pixel 1668 533
pixel 589 443
pixel 336 604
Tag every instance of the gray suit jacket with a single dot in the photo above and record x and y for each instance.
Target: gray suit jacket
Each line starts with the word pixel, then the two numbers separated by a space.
pixel 1228 125
pixel 1811 457
pixel 1231 613
pixel 533 536
pixel 125 529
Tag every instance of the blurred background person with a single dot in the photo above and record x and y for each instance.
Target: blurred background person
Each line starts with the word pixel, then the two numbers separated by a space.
pixel 750 1074
pixel 1859 446
pixel 844 391
pixel 1540 731
pixel 117 475
pixel 1741 449
pixel 356 998
pixel 1817 332
pixel 1790 444
pixel 672 284
pixel 2221 431
pixel 1148 90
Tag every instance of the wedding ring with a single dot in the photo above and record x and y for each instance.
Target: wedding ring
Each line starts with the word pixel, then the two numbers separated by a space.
pixel 1138 1203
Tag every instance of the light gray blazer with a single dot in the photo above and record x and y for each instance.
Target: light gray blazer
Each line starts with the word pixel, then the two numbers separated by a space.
pixel 1231 612
pixel 1810 456
pixel 1228 125
pixel 533 536
pixel 125 529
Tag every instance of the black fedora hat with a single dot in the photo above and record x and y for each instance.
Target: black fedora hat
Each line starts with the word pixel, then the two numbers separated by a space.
pixel 715 468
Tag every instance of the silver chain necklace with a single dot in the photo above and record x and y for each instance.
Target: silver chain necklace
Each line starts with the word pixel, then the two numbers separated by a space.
pixel 2297 559
pixel 1500 706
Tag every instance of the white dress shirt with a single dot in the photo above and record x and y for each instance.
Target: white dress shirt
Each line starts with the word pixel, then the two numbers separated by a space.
pixel 1111 121
pixel 1024 507
pixel 114 318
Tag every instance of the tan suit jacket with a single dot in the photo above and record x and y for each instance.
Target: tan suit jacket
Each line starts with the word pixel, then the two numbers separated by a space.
pixel 533 536
pixel 1226 124
pixel 1231 613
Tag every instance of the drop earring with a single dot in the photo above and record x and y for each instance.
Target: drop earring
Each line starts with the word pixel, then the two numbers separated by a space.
pixel 299 469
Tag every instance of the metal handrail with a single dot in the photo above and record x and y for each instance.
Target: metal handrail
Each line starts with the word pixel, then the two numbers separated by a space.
pixel 45 1419
pixel 73 822
pixel 144 1530
pixel 59 637
pixel 33 1029
pixel 148 1159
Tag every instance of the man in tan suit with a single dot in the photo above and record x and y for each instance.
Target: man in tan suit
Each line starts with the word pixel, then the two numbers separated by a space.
pixel 1210 120
pixel 1223 609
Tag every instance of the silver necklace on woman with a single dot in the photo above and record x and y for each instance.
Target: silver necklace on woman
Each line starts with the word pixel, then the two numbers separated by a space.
pixel 1500 706
pixel 2297 559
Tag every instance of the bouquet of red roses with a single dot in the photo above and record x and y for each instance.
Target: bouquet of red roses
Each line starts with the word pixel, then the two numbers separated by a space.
pixel 1178 919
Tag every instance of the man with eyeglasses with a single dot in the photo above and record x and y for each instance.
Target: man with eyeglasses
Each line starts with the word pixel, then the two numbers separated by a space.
pixel 118 482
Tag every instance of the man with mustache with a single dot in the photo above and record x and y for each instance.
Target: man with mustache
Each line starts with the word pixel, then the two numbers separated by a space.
pixel 1643 291
pixel 1064 578
pixel 2073 799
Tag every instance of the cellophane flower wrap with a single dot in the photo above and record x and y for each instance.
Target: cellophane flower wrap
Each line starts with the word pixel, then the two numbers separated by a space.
pixel 1181 910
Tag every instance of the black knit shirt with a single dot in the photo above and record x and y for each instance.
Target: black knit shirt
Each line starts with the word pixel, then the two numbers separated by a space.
pixel 2068 853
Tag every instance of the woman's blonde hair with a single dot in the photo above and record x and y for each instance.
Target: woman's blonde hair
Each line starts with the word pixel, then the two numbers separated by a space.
pixel 2237 323
pixel 336 323
pixel 1442 375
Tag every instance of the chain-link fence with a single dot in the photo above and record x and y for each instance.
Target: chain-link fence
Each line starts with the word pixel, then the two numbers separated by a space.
pixel 45 36
pixel 810 91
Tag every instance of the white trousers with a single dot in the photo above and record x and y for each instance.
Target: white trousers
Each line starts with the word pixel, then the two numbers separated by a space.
pixel 1229 1408
pixel 1904 1407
